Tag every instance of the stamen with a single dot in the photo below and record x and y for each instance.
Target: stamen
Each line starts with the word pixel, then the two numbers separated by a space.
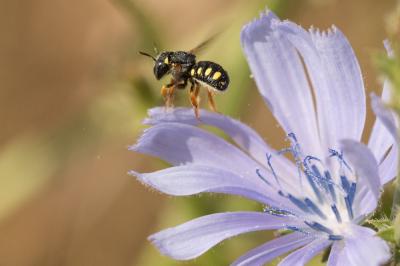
pixel 307 160
pixel 298 203
pixel 314 208
pixel 314 187
pixel 336 212
pixel 345 183
pixel 326 189
pixel 352 192
pixel 349 207
pixel 319 227
pixel 262 177
pixel 313 170
pixel 278 212
pixel 335 237
pixel 293 136
pixel 296 229
pixel 316 173
pixel 285 150
pixel 295 149
pixel 269 157
pixel 330 185
pixel 296 152
pixel 339 155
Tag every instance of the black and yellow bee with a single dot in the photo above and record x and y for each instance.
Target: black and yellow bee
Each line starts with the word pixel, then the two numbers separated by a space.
pixel 183 68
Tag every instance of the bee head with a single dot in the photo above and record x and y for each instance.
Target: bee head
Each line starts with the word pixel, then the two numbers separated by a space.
pixel 162 65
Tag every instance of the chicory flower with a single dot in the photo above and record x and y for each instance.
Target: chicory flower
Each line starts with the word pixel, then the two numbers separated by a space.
pixel 321 197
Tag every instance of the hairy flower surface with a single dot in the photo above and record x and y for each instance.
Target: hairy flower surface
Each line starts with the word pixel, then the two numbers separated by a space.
pixel 321 196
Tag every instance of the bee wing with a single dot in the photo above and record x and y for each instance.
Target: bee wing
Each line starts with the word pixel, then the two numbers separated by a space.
pixel 202 45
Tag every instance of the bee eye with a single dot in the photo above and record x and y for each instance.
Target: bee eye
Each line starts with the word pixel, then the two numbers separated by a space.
pixel 160 69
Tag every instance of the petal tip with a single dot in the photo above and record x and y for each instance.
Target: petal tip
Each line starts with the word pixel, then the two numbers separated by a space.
pixel 133 147
pixel 159 241
pixel 258 27
pixel 133 173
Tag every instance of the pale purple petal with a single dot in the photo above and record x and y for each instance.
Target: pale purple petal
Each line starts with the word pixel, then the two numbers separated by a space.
pixel 388 167
pixel 244 136
pixel 381 140
pixel 385 115
pixel 281 80
pixel 180 144
pixel 388 47
pixel 365 167
pixel 193 238
pixel 302 256
pixel 337 81
pixel 272 249
pixel 360 248
pixel 193 179
pixel 335 253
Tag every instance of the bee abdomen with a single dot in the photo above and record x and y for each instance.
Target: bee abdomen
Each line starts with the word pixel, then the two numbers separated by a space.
pixel 210 74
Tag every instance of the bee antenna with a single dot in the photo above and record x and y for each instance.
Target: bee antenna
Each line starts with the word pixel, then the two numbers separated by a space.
pixel 148 55
pixel 155 48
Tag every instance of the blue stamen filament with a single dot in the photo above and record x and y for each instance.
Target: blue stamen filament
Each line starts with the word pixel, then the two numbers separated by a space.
pixel 328 193
pixel 314 208
pixel 296 229
pixel 335 237
pixel 319 227
pixel 352 192
pixel 349 207
pixel 345 183
pixel 299 203
pixel 337 214
pixel 278 212
pixel 331 189
pixel 269 157
pixel 339 155
pixel 314 187
pixel 262 177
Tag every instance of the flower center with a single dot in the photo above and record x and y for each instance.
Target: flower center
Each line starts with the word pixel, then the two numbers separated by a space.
pixel 323 196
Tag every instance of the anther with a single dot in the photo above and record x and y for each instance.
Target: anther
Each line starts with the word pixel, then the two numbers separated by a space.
pixel 319 227
pixel 300 204
pixel 345 183
pixel 336 212
pixel 331 189
pixel 352 192
pixel 335 237
pixel 314 208
pixel 349 207
pixel 314 187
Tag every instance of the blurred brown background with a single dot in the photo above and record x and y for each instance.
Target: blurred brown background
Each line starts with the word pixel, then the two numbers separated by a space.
pixel 73 91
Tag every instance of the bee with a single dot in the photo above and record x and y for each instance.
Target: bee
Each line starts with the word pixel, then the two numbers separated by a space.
pixel 184 69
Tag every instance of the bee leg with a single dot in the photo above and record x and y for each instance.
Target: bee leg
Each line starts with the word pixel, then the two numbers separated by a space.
pixel 181 85
pixel 164 91
pixel 211 101
pixel 170 97
pixel 194 98
pixel 167 92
